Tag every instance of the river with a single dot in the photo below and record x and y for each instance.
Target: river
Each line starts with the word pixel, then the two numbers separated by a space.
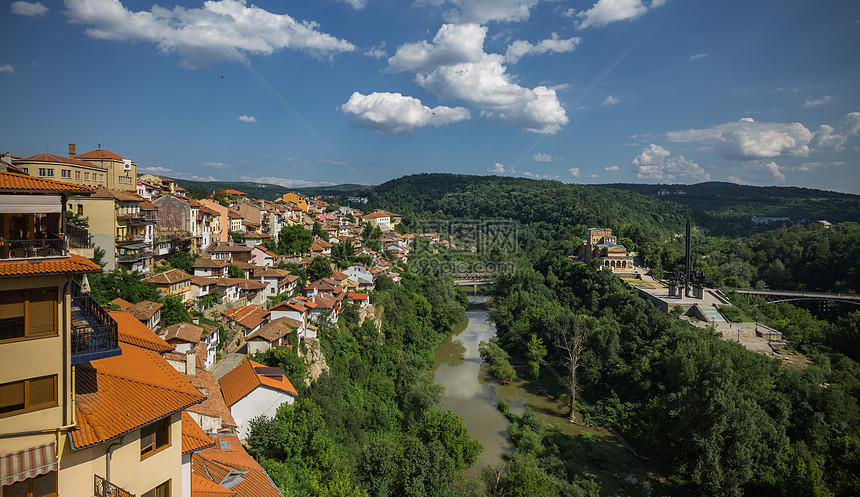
pixel 474 396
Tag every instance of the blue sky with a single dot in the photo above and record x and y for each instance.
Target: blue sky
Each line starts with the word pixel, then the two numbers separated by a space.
pixel 755 92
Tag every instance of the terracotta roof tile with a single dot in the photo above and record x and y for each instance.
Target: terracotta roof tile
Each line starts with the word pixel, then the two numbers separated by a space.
pixel 217 463
pixel 249 316
pixel 123 393
pixel 16 182
pixel 100 153
pixel 184 332
pixel 274 330
pixel 193 437
pixel 214 405
pixel 73 264
pixel 201 486
pixel 133 332
pixel 121 303
pixel 227 248
pixel 242 380
pixel 146 205
pixel 145 310
pixel 208 262
pixel 102 192
pixel 168 277
pixel 203 280
pixel 45 157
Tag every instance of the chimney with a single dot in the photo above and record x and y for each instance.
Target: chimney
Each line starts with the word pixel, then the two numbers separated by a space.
pixel 72 151
pixel 191 362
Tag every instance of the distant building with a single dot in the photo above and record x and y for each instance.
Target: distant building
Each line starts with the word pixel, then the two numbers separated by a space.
pixel 601 244
pixel 768 220
pixel 253 389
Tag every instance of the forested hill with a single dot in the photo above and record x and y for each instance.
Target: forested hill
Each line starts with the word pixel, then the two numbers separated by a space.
pixel 730 206
pixel 268 191
pixel 551 203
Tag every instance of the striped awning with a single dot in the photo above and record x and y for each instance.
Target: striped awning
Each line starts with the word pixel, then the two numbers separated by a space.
pixel 28 463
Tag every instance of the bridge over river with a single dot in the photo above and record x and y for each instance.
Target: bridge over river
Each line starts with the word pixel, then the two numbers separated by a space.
pixel 773 296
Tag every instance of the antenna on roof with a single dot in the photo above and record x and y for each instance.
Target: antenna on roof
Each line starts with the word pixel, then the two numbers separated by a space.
pixel 100 146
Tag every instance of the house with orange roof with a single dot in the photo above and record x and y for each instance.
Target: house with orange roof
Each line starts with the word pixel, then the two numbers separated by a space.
pixel 227 470
pixel 183 336
pixel 252 389
pixel 172 282
pixel 362 299
pixel 277 280
pixel 381 219
pixel 212 415
pixel 71 169
pixel 121 172
pixel 47 331
pixel 292 309
pixel 148 313
pixel 247 319
pixel 211 268
pixel 273 334
pixel 133 332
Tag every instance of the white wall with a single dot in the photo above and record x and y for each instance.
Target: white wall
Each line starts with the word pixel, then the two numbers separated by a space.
pixel 262 401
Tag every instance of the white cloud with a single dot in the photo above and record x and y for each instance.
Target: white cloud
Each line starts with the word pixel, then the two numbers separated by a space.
pixel 574 171
pixel 750 140
pixel 207 34
pixel 655 163
pixel 452 44
pixel 593 176
pixel 30 9
pixel 735 179
pixel 542 157
pixel 607 11
pixel 611 168
pixel 809 166
pixel 155 169
pixel 356 4
pixel 483 11
pixel 774 170
pixel 530 174
pixel 247 119
pixel 289 183
pixel 7 69
pixel 815 102
pixel 610 100
pixel 219 165
pixel 829 138
pixel 398 114
pixel 498 168
pixel 697 56
pixel 194 177
pixel 463 71
pixel 554 44
pixel 377 52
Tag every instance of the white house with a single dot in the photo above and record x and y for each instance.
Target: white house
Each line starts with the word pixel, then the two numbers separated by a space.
pixel 253 389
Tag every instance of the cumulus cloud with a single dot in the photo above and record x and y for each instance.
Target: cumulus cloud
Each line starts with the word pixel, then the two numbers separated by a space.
pixel 398 114
pixel 655 163
pixel 750 140
pixel 611 168
pixel 453 44
pixel 610 100
pixel 289 183
pixel 30 9
pixel 809 166
pixel 697 56
pixel 554 44
pixel 247 119
pixel 593 176
pixel 483 11
pixel 219 165
pixel 7 69
pixel 538 176
pixel 455 67
pixel 773 169
pixel 735 179
pixel 377 52
pixel 607 11
pixel 815 102
pixel 542 157
pixel 574 171
pixel 498 168
pixel 829 138
pixel 155 169
pixel 356 4
pixel 204 35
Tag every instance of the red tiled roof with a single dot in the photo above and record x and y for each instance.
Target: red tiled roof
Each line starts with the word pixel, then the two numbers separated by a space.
pixel 292 306
pixel 249 316
pixel 102 192
pixel 123 393
pixel 145 310
pixel 201 486
pixel 184 332
pixel 149 206
pixel 168 277
pixel 73 264
pixel 273 330
pixel 235 192
pixel 216 463
pixel 214 405
pixel 203 280
pixel 132 331
pixel 45 157
pixel 193 437
pixel 100 153
pixel 121 303
pixel 208 262
pixel 242 380
pixel 14 182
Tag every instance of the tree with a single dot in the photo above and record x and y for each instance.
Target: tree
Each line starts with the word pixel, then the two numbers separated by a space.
pixel 234 271
pixel 76 220
pixel 174 311
pixel 318 231
pixel 498 360
pixel 570 333
pixel 319 268
pixel 182 260
pixel 110 285
pixel 534 355
pixel 294 240
pixel 99 256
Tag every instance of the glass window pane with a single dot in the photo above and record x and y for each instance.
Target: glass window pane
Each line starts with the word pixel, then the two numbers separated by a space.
pixel 162 434
pixel 16 489
pixel 45 485
pixel 11 315
pixel 42 392
pixel 11 397
pixel 43 309
pixel 163 490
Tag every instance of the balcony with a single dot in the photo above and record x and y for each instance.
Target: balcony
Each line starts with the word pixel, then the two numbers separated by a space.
pixel 78 237
pixel 94 332
pixel 129 258
pixel 32 248
pixel 104 488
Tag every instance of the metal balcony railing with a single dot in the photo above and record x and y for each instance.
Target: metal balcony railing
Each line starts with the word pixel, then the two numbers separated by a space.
pixel 95 334
pixel 104 488
pixel 78 237
pixel 28 249
pixel 134 257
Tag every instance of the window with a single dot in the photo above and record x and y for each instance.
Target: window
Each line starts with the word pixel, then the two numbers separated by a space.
pixel 77 175
pixel 87 176
pixel 154 437
pixel 40 486
pixel 43 171
pixel 80 209
pixel 26 170
pixel 28 395
pixel 66 173
pixel 101 177
pixel 28 313
pixel 162 490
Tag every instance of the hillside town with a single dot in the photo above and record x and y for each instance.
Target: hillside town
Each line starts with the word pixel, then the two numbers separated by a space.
pixel 108 399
